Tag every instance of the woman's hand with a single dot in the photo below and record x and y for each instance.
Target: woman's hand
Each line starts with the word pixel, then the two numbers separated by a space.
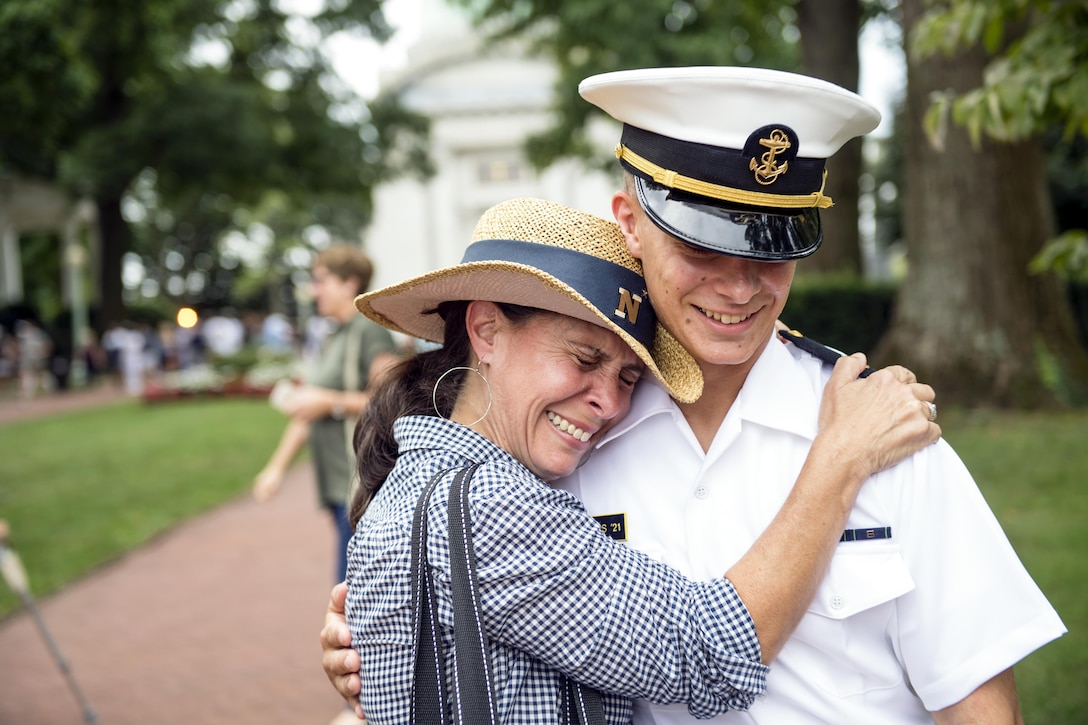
pixel 879 420
pixel 339 659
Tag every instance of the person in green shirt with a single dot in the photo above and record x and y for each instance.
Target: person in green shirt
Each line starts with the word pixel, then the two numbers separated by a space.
pixel 324 409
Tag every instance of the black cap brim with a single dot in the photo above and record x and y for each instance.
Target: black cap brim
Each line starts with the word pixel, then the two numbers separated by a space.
pixel 752 233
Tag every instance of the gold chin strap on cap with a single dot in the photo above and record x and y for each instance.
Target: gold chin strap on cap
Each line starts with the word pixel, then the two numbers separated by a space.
pixel 673 180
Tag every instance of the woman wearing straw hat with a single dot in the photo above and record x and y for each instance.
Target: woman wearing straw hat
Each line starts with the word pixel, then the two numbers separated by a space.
pixel 545 329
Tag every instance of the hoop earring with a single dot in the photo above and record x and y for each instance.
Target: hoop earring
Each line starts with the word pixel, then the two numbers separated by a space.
pixel 434 393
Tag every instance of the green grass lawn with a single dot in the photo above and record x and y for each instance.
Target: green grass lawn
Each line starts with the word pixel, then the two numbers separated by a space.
pixel 82 489
pixel 1033 470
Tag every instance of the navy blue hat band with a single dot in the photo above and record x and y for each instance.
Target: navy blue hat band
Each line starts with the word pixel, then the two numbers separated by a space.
pixel 766 173
pixel 617 292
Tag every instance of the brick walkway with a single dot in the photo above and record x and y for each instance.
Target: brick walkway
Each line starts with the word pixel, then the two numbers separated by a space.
pixel 213 623
pixel 13 408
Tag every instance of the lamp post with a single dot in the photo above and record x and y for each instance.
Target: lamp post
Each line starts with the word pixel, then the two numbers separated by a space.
pixel 75 258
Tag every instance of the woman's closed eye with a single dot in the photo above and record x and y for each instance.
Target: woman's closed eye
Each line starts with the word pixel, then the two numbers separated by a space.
pixel 627 375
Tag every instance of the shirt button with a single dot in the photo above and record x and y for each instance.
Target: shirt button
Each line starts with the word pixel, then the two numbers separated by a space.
pixel 837 602
pixel 701 492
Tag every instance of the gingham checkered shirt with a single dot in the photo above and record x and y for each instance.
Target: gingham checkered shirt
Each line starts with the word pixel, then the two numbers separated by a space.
pixel 557 596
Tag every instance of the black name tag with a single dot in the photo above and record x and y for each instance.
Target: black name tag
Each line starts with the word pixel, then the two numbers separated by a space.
pixel 613 525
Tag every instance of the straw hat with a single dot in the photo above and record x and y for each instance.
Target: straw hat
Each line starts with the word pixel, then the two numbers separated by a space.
pixel 540 254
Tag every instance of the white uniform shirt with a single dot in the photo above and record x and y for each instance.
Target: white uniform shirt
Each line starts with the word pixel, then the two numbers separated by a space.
pixel 936 609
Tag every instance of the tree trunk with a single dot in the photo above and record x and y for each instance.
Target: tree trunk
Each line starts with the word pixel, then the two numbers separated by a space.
pixel 116 241
pixel 829 50
pixel 970 319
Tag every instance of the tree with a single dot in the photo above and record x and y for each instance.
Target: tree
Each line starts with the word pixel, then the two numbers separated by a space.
pixel 46 86
pixel 597 36
pixel 1037 84
pixel 829 50
pixel 969 317
pixel 135 94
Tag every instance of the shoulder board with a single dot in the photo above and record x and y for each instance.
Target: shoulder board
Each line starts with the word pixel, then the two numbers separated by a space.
pixel 817 349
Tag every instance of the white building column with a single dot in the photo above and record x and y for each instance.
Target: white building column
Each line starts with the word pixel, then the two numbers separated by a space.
pixel 11 270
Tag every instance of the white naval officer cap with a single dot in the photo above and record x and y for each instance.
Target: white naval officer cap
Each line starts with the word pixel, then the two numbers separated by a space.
pixel 731 159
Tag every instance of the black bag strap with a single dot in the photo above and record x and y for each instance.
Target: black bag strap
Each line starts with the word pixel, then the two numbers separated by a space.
pixel 473 681
pixel 581 704
pixel 474 684
pixel 429 685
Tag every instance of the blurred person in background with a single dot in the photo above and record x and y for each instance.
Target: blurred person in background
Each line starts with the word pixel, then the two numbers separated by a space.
pixel 131 357
pixel 93 355
pixel 9 356
pixel 167 353
pixel 34 351
pixel 276 333
pixel 323 410
pixel 190 346
pixel 224 334
pixel 112 344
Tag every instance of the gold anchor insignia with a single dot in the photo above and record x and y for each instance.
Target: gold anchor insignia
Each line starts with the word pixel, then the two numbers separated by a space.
pixel 768 171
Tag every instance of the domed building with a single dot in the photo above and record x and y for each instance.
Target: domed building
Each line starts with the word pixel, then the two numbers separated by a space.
pixel 484 101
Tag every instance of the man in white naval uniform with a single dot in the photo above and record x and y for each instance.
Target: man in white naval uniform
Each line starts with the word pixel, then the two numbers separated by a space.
pixel 925 607
pixel 911 622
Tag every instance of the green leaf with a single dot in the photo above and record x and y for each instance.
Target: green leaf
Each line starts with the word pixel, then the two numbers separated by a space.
pixel 1066 255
